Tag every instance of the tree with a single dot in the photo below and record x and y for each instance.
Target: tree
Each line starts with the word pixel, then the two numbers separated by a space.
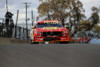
pixel 71 12
pixel 61 10
pixel 92 28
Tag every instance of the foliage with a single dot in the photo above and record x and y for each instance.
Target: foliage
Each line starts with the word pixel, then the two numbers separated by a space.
pixel 61 10
pixel 70 12
pixel 91 27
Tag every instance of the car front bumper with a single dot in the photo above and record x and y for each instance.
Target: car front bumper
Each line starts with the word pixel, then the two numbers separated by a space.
pixel 55 39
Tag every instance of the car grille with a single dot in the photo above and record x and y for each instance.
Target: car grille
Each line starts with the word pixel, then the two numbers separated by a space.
pixel 44 34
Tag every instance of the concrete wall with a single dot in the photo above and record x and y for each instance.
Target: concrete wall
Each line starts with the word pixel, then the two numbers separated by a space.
pixel 12 41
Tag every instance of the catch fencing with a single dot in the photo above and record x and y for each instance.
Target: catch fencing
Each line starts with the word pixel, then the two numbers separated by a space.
pixel 15 32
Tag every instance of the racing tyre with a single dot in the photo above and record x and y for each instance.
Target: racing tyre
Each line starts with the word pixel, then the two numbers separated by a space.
pixel 32 42
pixel 64 42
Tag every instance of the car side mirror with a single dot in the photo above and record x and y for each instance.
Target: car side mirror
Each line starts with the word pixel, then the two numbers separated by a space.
pixel 65 26
pixel 32 27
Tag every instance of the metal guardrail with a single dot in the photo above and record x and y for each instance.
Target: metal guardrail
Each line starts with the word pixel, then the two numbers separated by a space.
pixel 15 32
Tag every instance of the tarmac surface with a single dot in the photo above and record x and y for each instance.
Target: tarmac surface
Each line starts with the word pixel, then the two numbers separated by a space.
pixel 51 55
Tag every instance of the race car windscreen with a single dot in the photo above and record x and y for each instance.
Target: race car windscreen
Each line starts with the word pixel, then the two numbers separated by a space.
pixel 41 25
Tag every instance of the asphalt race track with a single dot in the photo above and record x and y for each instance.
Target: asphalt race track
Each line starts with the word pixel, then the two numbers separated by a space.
pixel 51 55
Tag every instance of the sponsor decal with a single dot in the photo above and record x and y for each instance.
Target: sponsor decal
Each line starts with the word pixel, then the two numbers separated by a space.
pixel 50 28
pixel 52 22
pixel 31 35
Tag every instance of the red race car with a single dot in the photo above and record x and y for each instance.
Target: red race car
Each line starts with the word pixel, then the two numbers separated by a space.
pixel 52 31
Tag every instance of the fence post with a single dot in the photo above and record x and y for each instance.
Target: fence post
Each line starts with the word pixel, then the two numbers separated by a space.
pixel 15 30
pixel 23 33
pixel 19 32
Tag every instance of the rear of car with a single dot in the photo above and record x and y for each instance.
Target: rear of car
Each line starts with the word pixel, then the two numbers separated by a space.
pixel 50 31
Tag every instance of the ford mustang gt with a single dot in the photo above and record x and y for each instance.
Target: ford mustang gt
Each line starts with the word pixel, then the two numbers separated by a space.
pixel 52 31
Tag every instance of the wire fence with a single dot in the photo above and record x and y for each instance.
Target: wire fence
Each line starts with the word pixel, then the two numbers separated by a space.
pixel 15 32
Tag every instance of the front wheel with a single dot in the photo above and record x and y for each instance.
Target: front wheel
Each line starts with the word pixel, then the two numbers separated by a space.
pixel 32 39
pixel 64 42
pixel 32 42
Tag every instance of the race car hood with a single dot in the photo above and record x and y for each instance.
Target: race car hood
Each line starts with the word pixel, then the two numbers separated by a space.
pixel 48 29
